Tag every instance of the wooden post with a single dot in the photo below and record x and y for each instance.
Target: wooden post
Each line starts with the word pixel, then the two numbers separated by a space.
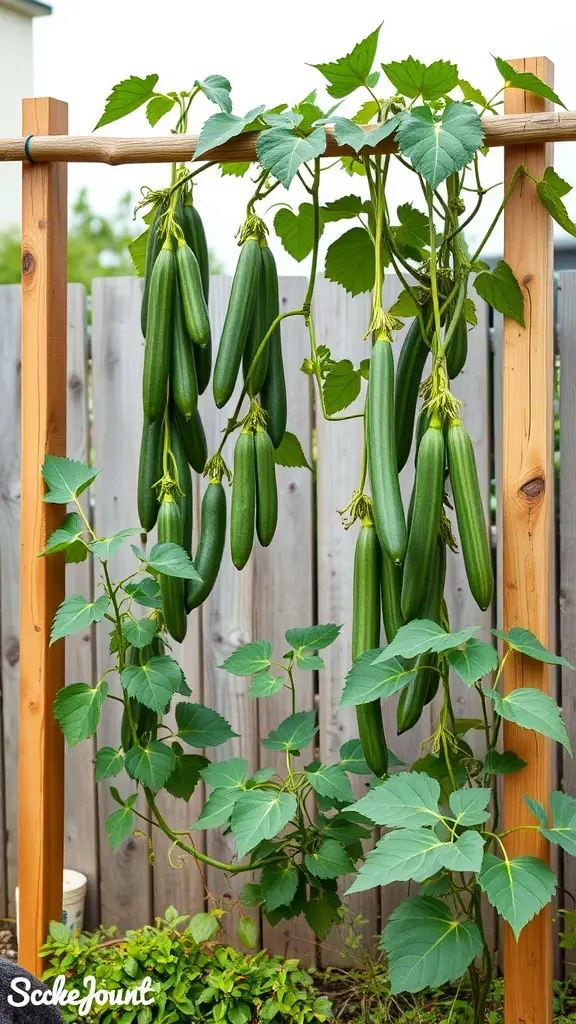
pixel 41 789
pixel 528 517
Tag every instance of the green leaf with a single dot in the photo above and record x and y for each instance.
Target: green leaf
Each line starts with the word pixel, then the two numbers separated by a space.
pixel 414 230
pixel 473 661
pixel 525 642
pixel 251 895
pixel 217 810
pixel 260 814
pixel 506 763
pixel 248 934
pixel 473 95
pixel 203 927
pixel 532 709
pixel 107 546
pixel 127 96
pixel 367 681
pixel 312 638
pixel 77 710
pixel 66 479
pixel 290 453
pixel 330 781
pixel 283 151
pixel 200 726
pixel 157 107
pixel 230 774
pixel 439 146
pixel 421 636
pixel 350 72
pixel 469 806
pixel 427 946
pixel 278 884
pixel 329 861
pixel 139 632
pixel 217 89
pixel 137 249
pixel 296 231
pixel 400 856
pixel 525 80
pixel 470 312
pixel 412 78
pixel 236 170
pixel 409 800
pixel 265 685
pixel 321 913
pixel 404 305
pixel 186 774
pixel 151 765
pixel 556 183
pixel 345 208
pixel 563 831
pixel 341 386
pixel 219 128
pixel 500 289
pixel 551 200
pixel 535 807
pixel 146 593
pixel 77 613
pixel 517 888
pixel 350 133
pixel 67 536
pixel 109 763
pixel 352 758
pixel 172 560
pixel 154 683
pixel 350 261
pixel 368 111
pixel 120 823
pixel 249 659
pixel 465 854
pixel 309 662
pixel 294 733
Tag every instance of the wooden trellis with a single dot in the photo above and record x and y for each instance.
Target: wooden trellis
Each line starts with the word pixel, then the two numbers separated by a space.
pixel 526 130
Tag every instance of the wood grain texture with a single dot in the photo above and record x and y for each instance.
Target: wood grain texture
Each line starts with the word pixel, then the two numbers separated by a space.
pixel 528 515
pixel 41 782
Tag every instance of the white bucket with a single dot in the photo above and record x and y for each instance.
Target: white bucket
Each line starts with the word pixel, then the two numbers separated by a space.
pixel 73 900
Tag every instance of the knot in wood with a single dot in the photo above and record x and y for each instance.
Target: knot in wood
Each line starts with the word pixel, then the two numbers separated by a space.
pixel 28 263
pixel 533 488
pixel 75 384
pixel 12 651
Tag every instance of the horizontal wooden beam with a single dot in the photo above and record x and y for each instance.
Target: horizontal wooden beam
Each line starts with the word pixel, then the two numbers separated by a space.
pixel 502 130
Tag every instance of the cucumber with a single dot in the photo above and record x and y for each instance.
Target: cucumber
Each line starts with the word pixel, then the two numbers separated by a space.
pixel 203 364
pixel 427 509
pixel 413 355
pixel 391 591
pixel 366 637
pixel 423 688
pixel 457 350
pixel 183 382
pixel 470 513
pixel 194 439
pixel 145 720
pixel 184 501
pixel 266 490
pixel 237 321
pixel 258 328
pixel 171 588
pixel 193 301
pixel 153 246
pixel 149 472
pixel 273 394
pixel 387 505
pixel 196 238
pixel 210 548
pixel 243 511
pixel 159 333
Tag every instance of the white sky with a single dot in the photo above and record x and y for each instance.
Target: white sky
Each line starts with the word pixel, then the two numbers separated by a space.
pixel 86 47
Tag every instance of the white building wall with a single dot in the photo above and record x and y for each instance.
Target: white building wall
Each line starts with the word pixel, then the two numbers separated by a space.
pixel 16 81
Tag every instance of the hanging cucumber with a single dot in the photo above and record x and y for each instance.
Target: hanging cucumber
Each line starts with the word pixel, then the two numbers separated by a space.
pixel 266 490
pixel 193 301
pixel 183 382
pixel 196 238
pixel 184 500
pixel 144 719
pixel 411 361
pixel 366 637
pixel 391 593
pixel 470 513
pixel 194 439
pixel 243 510
pixel 153 246
pixel 423 688
pixel 159 333
pixel 387 505
pixel 171 588
pixel 427 509
pixel 273 395
pixel 210 548
pixel 237 322
pixel 258 328
pixel 457 350
pixel 149 473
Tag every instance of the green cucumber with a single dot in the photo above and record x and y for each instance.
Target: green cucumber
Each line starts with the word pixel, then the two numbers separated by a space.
pixel 266 489
pixel 258 327
pixel 457 350
pixel 241 304
pixel 470 513
pixel 193 301
pixel 194 438
pixel 149 473
pixel 423 688
pixel 171 588
pixel 183 382
pixel 391 592
pixel 366 637
pixel 145 720
pixel 159 334
pixel 184 500
pixel 273 394
pixel 196 238
pixel 153 246
pixel 425 523
pixel 387 505
pixel 413 355
pixel 243 512
pixel 208 557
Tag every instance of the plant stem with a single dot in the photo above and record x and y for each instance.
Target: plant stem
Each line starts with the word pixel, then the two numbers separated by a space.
pixel 517 174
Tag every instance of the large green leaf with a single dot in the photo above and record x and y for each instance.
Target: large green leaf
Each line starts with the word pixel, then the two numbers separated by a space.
pixel 290 453
pixel 104 547
pixel 312 638
pixel 525 80
pixel 407 800
pixel 427 946
pixel 525 642
pixel 249 659
pixel 553 203
pixel 352 758
pixel 330 860
pixel 330 780
pixel 154 683
pixel 68 538
pixel 322 912
pixel 469 806
pixel 517 888
pixel 439 146
pixel 341 386
pixel 563 831
pixel 416 854
pixel 473 660
pixel 350 133
pixel 66 479
pixel 145 592
pixel 265 685
pixel 127 96
pixel 217 89
pixel 421 636
pixel 465 854
pixel 203 927
pixel 172 560
pixel 283 151
pixel 230 774
pixel 139 632
pixel 219 128
pixel 294 733
pixel 260 814
pixel 156 108
pixel 344 208
pixel 200 726
pixel 411 78
pixel 109 763
pixel 368 680
pixel 77 613
pixel 353 70
pixel 296 230
pixel 505 763
pixel 278 884
pixel 120 823
pixel 186 774
pixel 151 765
pixel 500 289
pixel 77 710
pixel 217 810
pixel 532 709
pixel 350 261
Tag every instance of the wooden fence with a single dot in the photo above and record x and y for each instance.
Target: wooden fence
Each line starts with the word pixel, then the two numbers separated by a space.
pixel 305 576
